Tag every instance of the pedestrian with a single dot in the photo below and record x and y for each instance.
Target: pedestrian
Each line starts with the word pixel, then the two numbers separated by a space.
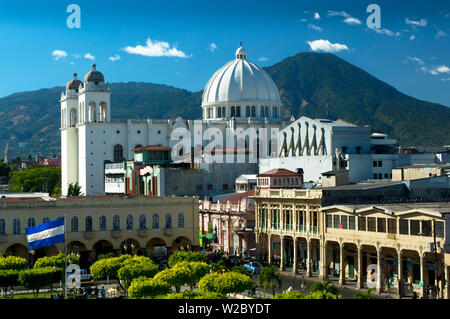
pixel 103 292
pixel 96 292
pixel 414 295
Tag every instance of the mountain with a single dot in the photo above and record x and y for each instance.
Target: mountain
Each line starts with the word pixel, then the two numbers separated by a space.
pixel 318 85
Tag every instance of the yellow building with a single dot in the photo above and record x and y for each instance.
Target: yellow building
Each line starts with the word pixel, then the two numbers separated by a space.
pixel 352 242
pixel 152 226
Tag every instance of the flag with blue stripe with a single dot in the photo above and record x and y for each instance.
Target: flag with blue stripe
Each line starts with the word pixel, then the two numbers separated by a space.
pixel 46 234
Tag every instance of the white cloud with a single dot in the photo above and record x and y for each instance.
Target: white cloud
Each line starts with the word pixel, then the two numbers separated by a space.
pixel 415 59
pixel 413 37
pixel 212 47
pixel 303 20
pixel 314 27
pixel 419 23
pixel 262 59
pixel 89 56
pixel 387 32
pixel 114 58
pixel 441 34
pixel 443 69
pixel 156 49
pixel 445 79
pixel 326 46
pixel 316 16
pixel 352 21
pixel 58 54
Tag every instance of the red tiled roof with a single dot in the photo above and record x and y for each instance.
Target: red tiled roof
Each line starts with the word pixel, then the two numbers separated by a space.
pixel 153 148
pixel 279 172
pixel 234 200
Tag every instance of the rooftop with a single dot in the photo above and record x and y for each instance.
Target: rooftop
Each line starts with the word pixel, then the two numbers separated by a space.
pixel 279 172
pixel 152 148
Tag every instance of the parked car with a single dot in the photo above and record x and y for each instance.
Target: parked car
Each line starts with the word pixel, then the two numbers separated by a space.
pixel 84 275
pixel 253 266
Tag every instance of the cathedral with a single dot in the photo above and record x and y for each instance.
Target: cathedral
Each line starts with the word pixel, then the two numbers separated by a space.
pixel 239 97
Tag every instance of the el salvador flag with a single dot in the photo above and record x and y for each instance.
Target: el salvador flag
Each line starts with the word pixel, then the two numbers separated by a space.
pixel 46 234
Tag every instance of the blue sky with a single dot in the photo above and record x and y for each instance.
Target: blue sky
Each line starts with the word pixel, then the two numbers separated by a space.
pixel 190 40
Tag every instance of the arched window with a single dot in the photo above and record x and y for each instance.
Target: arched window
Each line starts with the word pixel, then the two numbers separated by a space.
pixel 233 112
pixel 168 221
pixel 92 112
pixel 219 112
pixel 118 153
pixel 180 220
pixel 266 111
pixel 262 111
pixel 102 112
pixel 224 112
pixel 142 222
pixel 116 222
pixel 73 117
pixel 16 226
pixel 102 223
pixel 253 111
pixel 130 222
pixel 88 222
pixel 45 220
pixel 31 222
pixel 155 221
pixel 2 226
pixel 247 111
pixel 74 224
pixel 238 111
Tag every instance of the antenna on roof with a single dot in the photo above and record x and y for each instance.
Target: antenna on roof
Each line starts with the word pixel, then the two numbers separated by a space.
pixel 241 43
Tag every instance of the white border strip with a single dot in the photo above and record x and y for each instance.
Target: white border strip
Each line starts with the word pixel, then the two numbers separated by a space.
pixel 45 234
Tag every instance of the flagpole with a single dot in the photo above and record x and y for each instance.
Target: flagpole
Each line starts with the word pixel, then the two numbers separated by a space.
pixel 65 253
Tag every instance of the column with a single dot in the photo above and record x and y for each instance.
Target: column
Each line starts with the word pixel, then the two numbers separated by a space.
pixel 257 244
pixel 308 258
pixel 400 284
pixel 447 286
pixel 230 237
pixel 282 254
pixel 342 262
pixel 361 271
pixel 323 261
pixel 240 243
pixel 422 274
pixel 294 269
pixel 269 249
pixel 379 271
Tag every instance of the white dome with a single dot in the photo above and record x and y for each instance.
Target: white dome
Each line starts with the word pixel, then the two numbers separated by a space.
pixel 240 81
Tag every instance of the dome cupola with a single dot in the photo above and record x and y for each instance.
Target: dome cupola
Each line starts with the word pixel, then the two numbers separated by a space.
pixel 94 75
pixel 74 84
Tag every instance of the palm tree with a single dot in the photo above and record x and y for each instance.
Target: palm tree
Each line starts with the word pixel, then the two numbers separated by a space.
pixel 365 295
pixel 324 287
pixel 270 276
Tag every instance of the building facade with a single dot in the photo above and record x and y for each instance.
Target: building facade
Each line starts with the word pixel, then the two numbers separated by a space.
pixel 238 97
pixel 376 246
pixel 147 226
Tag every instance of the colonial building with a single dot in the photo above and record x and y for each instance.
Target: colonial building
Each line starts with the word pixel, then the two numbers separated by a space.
pixel 228 224
pixel 238 97
pixel 143 225
pixel 375 245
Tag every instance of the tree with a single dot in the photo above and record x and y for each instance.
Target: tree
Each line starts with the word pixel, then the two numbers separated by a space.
pixel 325 287
pixel 58 261
pixel 35 279
pixel 321 294
pixel 192 294
pixel 229 282
pixel 8 279
pixel 242 270
pixel 108 267
pixel 39 179
pixel 218 266
pixel 289 295
pixel 365 295
pixel 74 190
pixel 148 287
pixel 13 263
pixel 180 256
pixel 135 267
pixel 270 277
pixel 4 170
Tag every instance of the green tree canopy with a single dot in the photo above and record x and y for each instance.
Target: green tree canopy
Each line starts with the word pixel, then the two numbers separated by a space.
pixel 180 256
pixel 74 190
pixel 9 278
pixel 229 282
pixel 58 261
pixel 289 295
pixel 39 179
pixel 13 263
pixel 148 287
pixel 135 267
pixel 192 294
pixel 35 279
pixel 365 295
pixel 326 287
pixel 270 277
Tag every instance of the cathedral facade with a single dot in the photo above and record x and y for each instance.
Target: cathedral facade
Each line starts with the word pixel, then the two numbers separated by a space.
pixel 241 108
